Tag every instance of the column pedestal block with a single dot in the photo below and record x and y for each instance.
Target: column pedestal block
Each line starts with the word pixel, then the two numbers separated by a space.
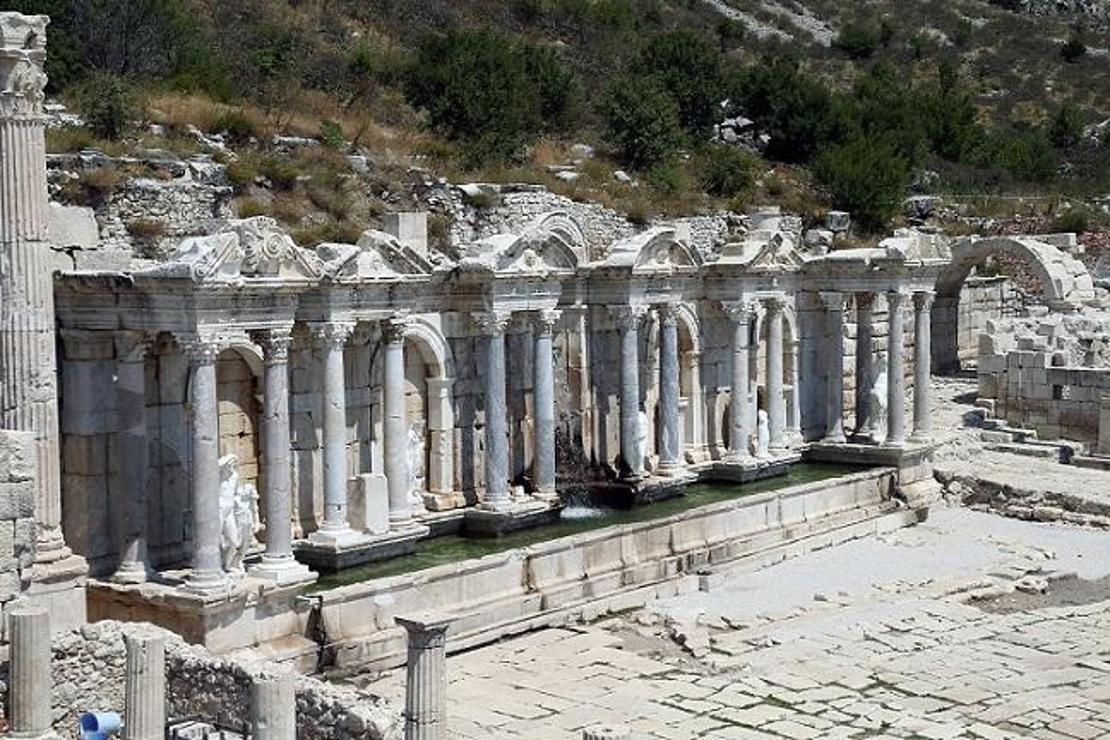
pixel 330 556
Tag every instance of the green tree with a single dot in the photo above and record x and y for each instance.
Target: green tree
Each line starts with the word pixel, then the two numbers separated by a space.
pixel 859 40
pixel 690 68
pixel 1067 126
pixel 641 120
pixel 1073 49
pixel 108 105
pixel 556 87
pixel 726 171
pixel 866 177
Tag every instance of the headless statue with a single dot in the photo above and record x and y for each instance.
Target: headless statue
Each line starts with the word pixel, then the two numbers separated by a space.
pixel 763 440
pixel 877 401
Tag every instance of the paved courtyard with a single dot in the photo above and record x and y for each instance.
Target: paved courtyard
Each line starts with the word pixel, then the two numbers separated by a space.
pixel 918 634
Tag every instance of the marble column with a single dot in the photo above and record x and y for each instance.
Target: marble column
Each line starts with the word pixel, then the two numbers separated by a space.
pixel 794 422
pixel 28 366
pixel 277 562
pixel 776 399
pixel 834 367
pixel 426 678
pixel 208 574
pixel 395 428
pixel 543 402
pixel 131 454
pixel 896 376
pixel 607 732
pixel 144 703
pixel 741 431
pixel 669 413
pixel 492 326
pixel 30 682
pixel 864 357
pixel 274 707
pixel 628 322
pixel 922 360
pixel 335 529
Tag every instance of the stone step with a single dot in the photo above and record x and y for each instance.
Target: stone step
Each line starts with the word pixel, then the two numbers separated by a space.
pixel 1020 435
pixel 1040 451
pixel 995 436
pixel 987 404
pixel 1094 462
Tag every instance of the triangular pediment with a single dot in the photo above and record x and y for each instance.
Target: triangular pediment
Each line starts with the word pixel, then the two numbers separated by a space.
pixel 376 256
pixel 777 255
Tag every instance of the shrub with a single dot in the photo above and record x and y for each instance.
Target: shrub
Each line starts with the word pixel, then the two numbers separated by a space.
pixel 1073 49
pixel 92 187
pixel 242 173
pixel 1025 154
pixel 331 134
pixel 727 172
pixel 731 31
pixel 239 126
pixel 555 87
pixel 1067 126
pixel 68 139
pixel 641 120
pixel 666 178
pixel 249 208
pixel 866 177
pixel 859 40
pixel 146 229
pixel 690 70
pixel 1076 221
pixel 281 173
pixel 108 105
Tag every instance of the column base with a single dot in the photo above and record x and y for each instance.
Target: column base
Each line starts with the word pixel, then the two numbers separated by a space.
pixel 894 443
pixel 921 439
pixel 131 573
pixel 281 570
pixel 490 522
pixel 547 495
pixel 338 537
pixel 362 548
pixel 834 439
pixel 501 504
pixel 206 583
pixel 668 469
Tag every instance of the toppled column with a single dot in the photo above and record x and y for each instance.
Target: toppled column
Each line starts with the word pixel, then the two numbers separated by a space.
pixel 144 713
pixel 274 708
pixel 607 732
pixel 29 680
pixel 426 678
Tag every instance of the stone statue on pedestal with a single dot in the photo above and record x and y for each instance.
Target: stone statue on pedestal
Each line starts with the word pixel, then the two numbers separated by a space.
pixel 763 443
pixel 417 482
pixel 878 401
pixel 239 520
pixel 642 440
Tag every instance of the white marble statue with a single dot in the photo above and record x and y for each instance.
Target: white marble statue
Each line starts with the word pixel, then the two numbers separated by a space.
pixel 417 484
pixel 763 425
pixel 642 440
pixel 239 520
pixel 877 401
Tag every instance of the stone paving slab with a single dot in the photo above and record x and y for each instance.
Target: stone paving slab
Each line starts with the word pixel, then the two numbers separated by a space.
pixel 875 638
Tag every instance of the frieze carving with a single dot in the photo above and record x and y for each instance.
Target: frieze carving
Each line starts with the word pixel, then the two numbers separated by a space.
pixel 22 54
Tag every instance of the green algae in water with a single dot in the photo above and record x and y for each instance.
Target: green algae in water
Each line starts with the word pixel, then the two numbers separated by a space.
pixel 454 548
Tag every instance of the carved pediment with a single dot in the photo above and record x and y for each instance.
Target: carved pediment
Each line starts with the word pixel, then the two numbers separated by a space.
pixel 778 254
pixel 552 243
pixel 376 256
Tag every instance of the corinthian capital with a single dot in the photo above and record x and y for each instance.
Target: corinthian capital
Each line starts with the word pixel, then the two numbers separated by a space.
pixel 546 320
pixel 628 317
pixel 395 328
pixel 923 299
pixel 333 334
pixel 492 323
pixel 22 54
pixel 275 343
pixel 741 312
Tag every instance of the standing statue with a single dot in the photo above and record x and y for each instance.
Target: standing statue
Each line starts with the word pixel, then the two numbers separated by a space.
pixel 239 520
pixel 417 484
pixel 642 440
pixel 763 424
pixel 877 401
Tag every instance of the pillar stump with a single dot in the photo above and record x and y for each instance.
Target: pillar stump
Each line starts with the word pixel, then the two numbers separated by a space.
pixel 426 678
pixel 144 713
pixel 274 708
pixel 607 732
pixel 29 679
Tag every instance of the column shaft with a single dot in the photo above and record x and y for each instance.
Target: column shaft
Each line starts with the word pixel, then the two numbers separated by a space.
pixel 834 364
pixel 426 679
pixel 335 525
pixel 669 413
pixel 543 402
pixel 776 401
pixel 740 429
pixel 144 714
pixel 497 424
pixel 896 377
pixel 207 565
pixel 29 680
pixel 394 425
pixel 274 708
pixel 131 453
pixel 864 351
pixel 923 357
pixel 632 459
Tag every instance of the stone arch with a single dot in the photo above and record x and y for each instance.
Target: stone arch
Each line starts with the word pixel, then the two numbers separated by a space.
pixel 238 394
pixel 691 391
pixel 1065 283
pixel 439 413
pixel 757 359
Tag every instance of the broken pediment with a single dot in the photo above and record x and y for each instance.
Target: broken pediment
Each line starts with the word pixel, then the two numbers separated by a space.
pixel 778 254
pixel 552 243
pixel 657 251
pixel 377 255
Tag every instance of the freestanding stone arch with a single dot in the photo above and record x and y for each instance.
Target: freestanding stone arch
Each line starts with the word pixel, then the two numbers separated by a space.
pixel 1065 283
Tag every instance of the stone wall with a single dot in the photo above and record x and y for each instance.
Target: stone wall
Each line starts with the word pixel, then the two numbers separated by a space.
pixel 88 673
pixel 18 487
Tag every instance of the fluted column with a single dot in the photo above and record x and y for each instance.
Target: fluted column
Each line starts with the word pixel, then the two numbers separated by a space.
pixel 864 352
pixel 740 409
pixel 28 366
pixel 29 679
pixel 896 376
pixel 426 678
pixel 794 421
pixel 923 357
pixel 543 402
pixel 274 707
pixel 834 364
pixel 395 428
pixel 670 416
pixel 492 326
pixel 628 322
pixel 144 704
pixel 607 732
pixel 208 573
pixel 131 453
pixel 776 400
pixel 335 529
pixel 277 562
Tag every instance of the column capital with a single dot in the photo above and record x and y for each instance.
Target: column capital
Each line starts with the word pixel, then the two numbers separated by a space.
pixel 668 313
pixel 895 297
pixel 201 350
pixel 774 304
pixel 833 300
pixel 628 317
pixel 395 328
pixel 275 343
pixel 546 319
pixel 132 346
pixel 923 299
pixel 492 323
pixel 865 300
pixel 333 333
pixel 741 311
pixel 425 632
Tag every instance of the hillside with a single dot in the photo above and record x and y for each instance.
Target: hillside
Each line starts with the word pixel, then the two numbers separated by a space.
pixel 853 105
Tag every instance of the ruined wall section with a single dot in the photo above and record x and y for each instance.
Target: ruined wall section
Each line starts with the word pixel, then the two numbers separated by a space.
pixel 18 487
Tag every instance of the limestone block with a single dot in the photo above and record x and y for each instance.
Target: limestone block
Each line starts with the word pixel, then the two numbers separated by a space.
pixel 17 499
pixel 18 460
pixel 85 454
pixel 369 503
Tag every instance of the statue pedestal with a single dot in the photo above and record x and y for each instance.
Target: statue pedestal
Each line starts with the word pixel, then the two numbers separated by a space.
pixel 518 514
pixel 359 548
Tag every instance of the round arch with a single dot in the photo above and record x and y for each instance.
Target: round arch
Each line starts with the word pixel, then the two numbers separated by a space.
pixel 439 409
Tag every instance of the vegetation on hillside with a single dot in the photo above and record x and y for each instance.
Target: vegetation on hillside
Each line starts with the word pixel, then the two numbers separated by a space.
pixel 499 90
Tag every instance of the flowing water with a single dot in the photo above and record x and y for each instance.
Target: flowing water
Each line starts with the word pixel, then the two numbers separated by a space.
pixel 579 516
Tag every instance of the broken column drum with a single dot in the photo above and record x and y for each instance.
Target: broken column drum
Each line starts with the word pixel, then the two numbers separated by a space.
pixel 29 677
pixel 144 714
pixel 426 678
